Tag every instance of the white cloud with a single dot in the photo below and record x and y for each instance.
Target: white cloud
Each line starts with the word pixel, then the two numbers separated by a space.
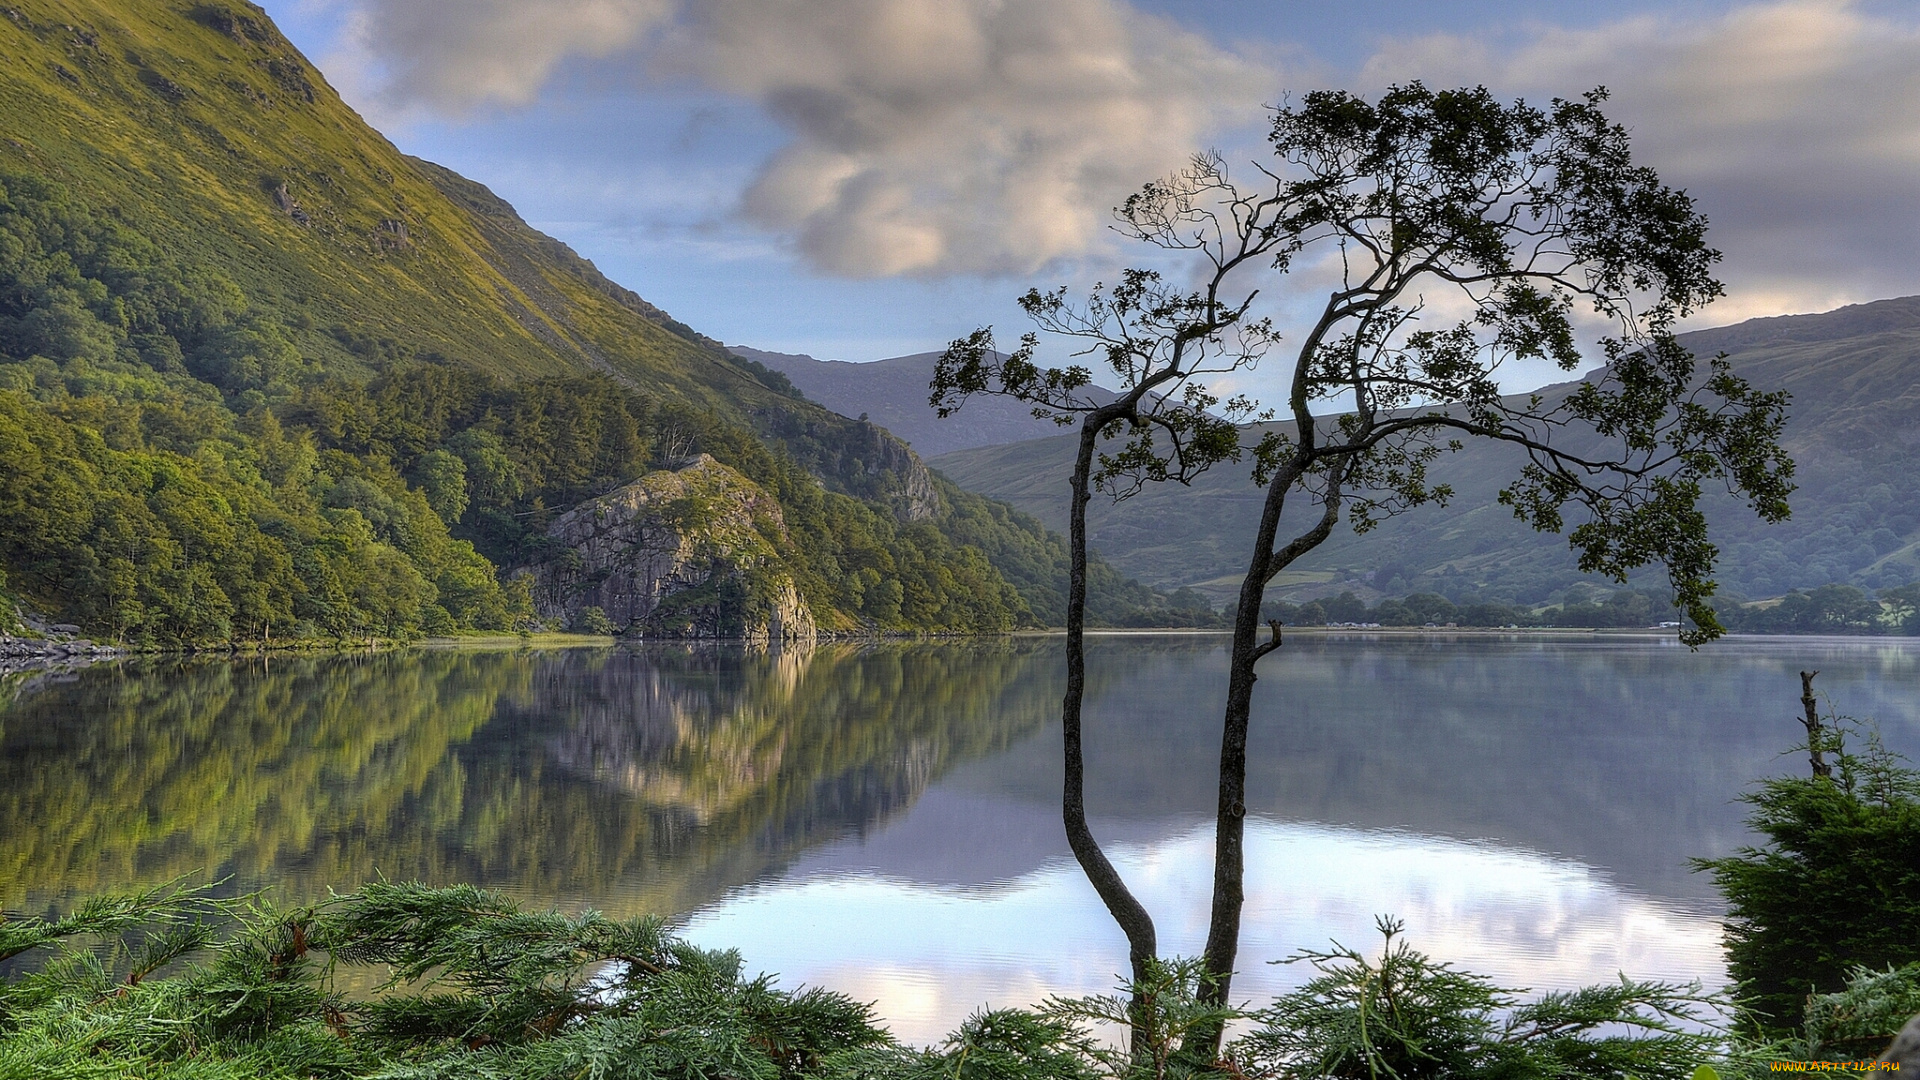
pixel 934 137
pixel 927 137
pixel 989 136
pixel 454 54
pixel 1796 125
pixel 928 955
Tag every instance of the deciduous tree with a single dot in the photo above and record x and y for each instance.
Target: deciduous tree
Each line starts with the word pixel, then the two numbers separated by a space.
pixel 1462 235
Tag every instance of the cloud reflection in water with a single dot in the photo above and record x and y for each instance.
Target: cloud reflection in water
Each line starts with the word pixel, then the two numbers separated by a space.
pixel 928 955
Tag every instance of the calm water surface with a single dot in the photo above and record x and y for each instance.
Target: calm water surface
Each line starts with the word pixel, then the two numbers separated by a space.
pixel 884 820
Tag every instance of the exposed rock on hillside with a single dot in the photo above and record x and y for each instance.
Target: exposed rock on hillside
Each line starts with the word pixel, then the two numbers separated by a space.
pixel 915 498
pixel 693 553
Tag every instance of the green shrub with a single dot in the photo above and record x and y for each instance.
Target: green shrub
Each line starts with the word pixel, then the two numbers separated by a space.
pixel 594 621
pixel 1409 1017
pixel 1859 1021
pixel 1836 889
pixel 474 987
pixel 406 981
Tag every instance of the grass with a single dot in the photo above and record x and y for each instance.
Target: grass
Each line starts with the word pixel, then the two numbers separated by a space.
pixel 188 118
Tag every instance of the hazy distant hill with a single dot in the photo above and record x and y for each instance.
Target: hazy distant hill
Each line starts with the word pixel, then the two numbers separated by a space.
pixel 1854 375
pixel 893 394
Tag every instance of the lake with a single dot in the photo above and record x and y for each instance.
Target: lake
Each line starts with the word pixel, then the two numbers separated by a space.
pixel 883 819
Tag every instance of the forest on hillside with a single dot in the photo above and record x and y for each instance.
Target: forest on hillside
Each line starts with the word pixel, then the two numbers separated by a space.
pixel 177 471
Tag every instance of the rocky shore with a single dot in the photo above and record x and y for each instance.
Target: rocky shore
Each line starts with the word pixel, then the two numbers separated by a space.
pixel 45 647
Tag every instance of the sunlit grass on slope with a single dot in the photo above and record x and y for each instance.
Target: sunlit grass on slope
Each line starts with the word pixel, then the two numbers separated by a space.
pixel 187 120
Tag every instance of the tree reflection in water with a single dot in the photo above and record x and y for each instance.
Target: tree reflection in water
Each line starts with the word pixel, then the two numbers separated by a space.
pixel 634 780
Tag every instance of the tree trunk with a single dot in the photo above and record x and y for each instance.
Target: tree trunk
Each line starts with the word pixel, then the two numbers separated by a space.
pixel 1201 1047
pixel 1121 904
pixel 1815 732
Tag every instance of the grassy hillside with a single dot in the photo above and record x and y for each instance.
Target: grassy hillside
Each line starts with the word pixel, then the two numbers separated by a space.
pixel 201 127
pixel 263 375
pixel 1854 431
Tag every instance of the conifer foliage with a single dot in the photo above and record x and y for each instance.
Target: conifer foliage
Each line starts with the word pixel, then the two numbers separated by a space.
pixel 1406 1015
pixel 401 980
pixel 474 987
pixel 1835 893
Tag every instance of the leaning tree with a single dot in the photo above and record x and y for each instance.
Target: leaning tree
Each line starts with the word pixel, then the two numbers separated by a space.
pixel 1460 235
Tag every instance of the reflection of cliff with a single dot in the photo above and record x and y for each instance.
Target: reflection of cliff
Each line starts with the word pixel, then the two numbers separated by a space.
pixel 635 781
pixel 672 773
pixel 700 743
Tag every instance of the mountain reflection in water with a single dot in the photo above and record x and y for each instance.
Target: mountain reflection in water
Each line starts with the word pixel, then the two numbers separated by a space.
pixel 635 781
pixel 884 818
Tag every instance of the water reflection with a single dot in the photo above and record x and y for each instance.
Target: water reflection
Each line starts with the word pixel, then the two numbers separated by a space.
pixel 929 954
pixel 636 781
pixel 885 819
pixel 1626 754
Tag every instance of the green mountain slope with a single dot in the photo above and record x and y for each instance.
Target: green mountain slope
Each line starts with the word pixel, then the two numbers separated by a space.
pixel 201 128
pixel 1854 431
pixel 262 374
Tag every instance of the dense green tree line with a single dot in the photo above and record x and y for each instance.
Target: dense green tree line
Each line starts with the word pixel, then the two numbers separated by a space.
pixel 177 472
pixel 153 521
pixel 1621 608
pixel 150 491
pixel 1830 609
pixel 498 460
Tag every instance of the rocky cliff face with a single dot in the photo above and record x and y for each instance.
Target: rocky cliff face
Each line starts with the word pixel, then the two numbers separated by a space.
pixel 897 472
pixel 692 553
pixel 919 499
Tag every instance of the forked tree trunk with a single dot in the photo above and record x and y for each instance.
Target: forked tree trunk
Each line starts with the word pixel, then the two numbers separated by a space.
pixel 1230 812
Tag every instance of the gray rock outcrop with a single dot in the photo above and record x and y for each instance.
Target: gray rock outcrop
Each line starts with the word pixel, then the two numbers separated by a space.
pixel 689 553
pixel 40 646
pixel 1906 1048
pixel 920 500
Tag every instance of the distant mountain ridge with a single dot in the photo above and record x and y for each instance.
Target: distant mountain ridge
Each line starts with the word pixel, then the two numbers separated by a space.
pixel 893 393
pixel 1854 431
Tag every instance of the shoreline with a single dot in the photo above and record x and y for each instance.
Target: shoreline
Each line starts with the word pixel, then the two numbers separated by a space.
pixel 54 652
pixel 67 653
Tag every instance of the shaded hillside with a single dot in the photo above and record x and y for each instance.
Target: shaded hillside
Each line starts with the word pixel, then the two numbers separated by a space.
pixel 893 393
pixel 1854 432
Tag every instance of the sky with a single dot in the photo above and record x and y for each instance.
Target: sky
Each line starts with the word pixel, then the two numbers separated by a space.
pixel 858 179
